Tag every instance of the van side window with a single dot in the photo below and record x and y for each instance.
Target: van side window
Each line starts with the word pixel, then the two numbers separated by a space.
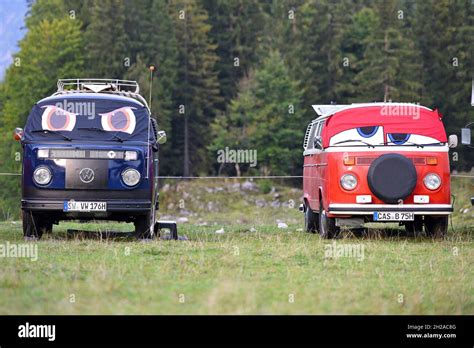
pixel 321 126
pixel 310 132
pixel 314 132
pixel 307 136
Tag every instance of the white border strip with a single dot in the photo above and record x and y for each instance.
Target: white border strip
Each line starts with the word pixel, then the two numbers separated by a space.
pixel 388 148
pixel 394 206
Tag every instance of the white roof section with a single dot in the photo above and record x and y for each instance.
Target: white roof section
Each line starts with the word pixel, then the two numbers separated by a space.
pixel 329 109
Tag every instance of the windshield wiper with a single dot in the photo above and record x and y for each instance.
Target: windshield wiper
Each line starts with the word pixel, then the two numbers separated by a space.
pixel 115 136
pixel 407 142
pixel 437 143
pixel 47 131
pixel 354 140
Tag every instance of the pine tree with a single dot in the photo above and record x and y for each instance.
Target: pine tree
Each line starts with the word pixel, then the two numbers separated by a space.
pixel 353 45
pixel 50 50
pixel 315 53
pixel 444 32
pixel 237 29
pixel 390 68
pixel 108 48
pixel 155 45
pixel 265 116
pixel 41 10
pixel 198 94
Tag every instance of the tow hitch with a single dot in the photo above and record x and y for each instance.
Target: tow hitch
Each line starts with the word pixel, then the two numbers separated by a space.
pixel 169 225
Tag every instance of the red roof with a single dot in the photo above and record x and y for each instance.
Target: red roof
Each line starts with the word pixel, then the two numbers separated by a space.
pixel 414 120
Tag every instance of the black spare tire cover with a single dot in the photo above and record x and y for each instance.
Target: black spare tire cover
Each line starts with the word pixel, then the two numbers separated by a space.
pixel 392 177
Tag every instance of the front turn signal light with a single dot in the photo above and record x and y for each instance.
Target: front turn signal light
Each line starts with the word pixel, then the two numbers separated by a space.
pixel 431 160
pixel 349 160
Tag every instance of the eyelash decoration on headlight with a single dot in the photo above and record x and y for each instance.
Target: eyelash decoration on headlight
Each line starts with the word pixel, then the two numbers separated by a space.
pixel 398 138
pixel 120 120
pixel 368 131
pixel 57 119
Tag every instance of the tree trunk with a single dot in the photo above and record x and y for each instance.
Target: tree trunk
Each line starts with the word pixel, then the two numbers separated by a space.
pixel 386 88
pixel 237 169
pixel 186 147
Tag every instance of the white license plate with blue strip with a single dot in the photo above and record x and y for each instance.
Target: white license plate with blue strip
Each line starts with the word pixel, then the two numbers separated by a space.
pixel 393 216
pixel 84 206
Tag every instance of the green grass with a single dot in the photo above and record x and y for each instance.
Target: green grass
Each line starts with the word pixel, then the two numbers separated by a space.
pixel 252 268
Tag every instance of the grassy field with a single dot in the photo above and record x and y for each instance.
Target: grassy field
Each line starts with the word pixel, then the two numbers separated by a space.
pixel 237 261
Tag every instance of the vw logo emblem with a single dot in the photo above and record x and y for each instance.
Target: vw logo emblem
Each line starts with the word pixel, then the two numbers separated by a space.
pixel 86 175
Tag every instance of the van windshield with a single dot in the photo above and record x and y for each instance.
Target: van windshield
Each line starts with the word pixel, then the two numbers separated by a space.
pixel 70 118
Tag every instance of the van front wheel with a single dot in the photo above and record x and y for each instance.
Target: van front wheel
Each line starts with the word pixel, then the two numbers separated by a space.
pixel 310 220
pixel 34 225
pixel 415 226
pixel 436 226
pixel 327 225
pixel 143 226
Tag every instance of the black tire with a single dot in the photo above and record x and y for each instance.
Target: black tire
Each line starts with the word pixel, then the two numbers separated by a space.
pixel 142 226
pixel 311 220
pixel 436 226
pixel 414 227
pixel 34 225
pixel 327 225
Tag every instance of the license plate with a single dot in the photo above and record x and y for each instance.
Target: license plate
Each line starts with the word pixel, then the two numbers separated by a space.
pixel 393 216
pixel 84 206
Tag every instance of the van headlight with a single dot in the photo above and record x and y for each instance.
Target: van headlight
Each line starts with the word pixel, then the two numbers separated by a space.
pixel 432 181
pixel 130 177
pixel 348 182
pixel 42 176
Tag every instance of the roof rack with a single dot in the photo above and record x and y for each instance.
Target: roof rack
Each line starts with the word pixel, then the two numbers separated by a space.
pixel 126 88
pixel 98 85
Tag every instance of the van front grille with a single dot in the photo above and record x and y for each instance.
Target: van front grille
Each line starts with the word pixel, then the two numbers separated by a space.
pixel 86 174
pixel 85 154
pixel 367 161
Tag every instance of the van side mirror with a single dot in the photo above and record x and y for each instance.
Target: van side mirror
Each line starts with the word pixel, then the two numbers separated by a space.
pixel 453 141
pixel 466 136
pixel 161 139
pixel 318 142
pixel 18 134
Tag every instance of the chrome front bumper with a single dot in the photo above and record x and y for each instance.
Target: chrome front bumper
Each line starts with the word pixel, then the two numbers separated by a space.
pixel 369 209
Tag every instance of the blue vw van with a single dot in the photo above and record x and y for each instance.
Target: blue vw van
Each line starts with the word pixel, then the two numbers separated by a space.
pixel 90 152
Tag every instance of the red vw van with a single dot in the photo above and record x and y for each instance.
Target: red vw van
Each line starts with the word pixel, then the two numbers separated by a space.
pixel 377 162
